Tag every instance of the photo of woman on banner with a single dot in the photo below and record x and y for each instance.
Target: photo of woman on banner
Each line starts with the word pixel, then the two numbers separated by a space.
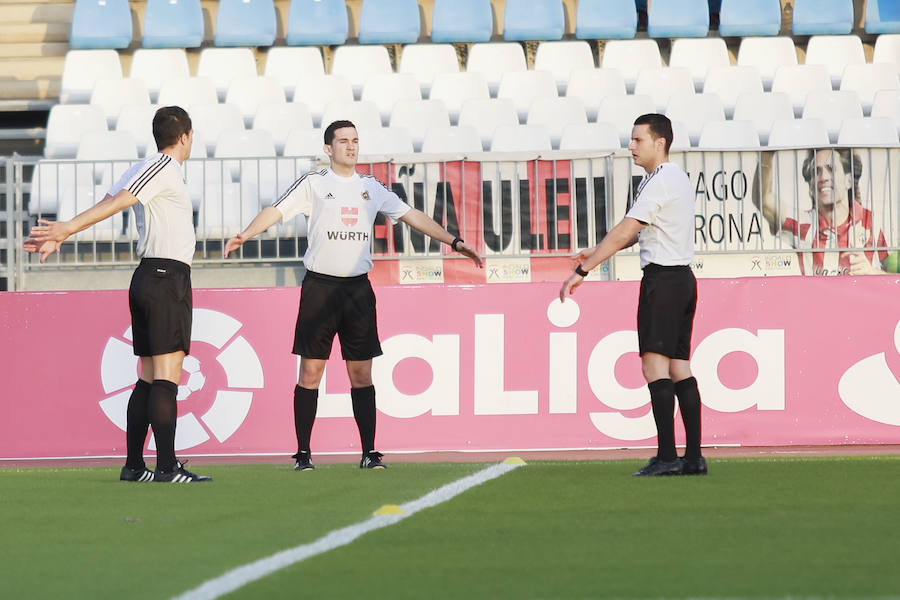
pixel 839 235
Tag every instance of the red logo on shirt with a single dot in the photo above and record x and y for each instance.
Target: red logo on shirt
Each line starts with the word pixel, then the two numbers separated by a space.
pixel 349 216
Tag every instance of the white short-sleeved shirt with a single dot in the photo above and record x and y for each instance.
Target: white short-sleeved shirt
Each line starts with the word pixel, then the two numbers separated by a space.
pixel 665 203
pixel 164 215
pixel 340 213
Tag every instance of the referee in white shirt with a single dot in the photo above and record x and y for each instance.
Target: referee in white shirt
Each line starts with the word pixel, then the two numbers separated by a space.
pixel 337 298
pixel 160 294
pixel 662 220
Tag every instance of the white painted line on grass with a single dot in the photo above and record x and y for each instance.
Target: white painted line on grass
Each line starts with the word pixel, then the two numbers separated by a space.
pixel 241 576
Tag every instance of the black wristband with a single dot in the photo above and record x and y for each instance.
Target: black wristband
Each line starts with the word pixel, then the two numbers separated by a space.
pixel 454 243
pixel 581 271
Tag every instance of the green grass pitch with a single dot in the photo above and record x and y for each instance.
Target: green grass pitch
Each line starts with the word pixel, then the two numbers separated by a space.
pixel 754 528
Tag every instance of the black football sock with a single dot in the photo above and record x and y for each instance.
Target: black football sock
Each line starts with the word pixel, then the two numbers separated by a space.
pixel 306 402
pixel 364 413
pixel 138 422
pixel 689 402
pixel 163 418
pixel 662 399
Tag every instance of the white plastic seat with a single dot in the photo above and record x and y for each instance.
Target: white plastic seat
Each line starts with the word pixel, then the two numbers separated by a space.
pixel 629 57
pixel 82 68
pixel 453 89
pixel 417 116
pixel 698 55
pixel 452 140
pixel 285 63
pixel 137 119
pixel 112 94
pixel 798 133
pixel 426 62
pixel 767 54
pixel 385 141
pixel 154 66
pixel 589 137
pixel 494 59
pixel 363 114
pixel 318 92
pixel 762 109
pixel 195 168
pixel 729 135
pixel 555 114
pixel 730 82
pixel 305 142
pixel 868 131
pixel 887 49
pixel 486 114
pixel 247 93
pixel 356 63
pixel 385 89
pixel 222 65
pixel 693 111
pixel 561 58
pixel 112 152
pixel 280 118
pixel 523 87
pixel 799 80
pixel 211 120
pixel 680 138
pixel 867 79
pixel 661 83
pixel 187 91
pixel 50 180
pixel 835 52
pixel 256 174
pixel 832 108
pixel 592 85
pixel 520 138
pixel 66 125
pixel 887 104
pixel 621 111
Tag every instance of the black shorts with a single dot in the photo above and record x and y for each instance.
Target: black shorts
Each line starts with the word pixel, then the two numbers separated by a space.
pixel 337 305
pixel 161 304
pixel 666 308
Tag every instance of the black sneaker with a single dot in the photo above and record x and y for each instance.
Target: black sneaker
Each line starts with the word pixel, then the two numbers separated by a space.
pixel 372 460
pixel 140 475
pixel 660 467
pixel 179 475
pixel 304 462
pixel 694 466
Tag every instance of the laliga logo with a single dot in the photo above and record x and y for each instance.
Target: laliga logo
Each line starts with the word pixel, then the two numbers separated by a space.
pixel 873 373
pixel 242 373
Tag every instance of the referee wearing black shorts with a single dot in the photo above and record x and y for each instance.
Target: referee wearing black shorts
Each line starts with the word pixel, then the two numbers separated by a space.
pixel 662 221
pixel 337 299
pixel 160 292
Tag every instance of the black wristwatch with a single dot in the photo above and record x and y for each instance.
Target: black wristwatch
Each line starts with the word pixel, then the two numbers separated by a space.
pixel 581 271
pixel 455 242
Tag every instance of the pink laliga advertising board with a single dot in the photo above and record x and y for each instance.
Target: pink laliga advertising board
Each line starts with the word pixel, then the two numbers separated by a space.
pixel 780 361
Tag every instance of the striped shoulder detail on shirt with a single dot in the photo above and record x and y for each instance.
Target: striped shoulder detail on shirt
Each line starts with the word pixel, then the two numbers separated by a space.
pixel 294 185
pixel 376 180
pixel 150 171
pixel 646 180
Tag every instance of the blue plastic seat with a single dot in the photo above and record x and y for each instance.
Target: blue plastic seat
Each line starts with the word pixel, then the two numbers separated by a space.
pixel 245 23
pixel 740 18
pixel 678 19
pixel 173 24
pixel 605 19
pixel 462 21
pixel 533 20
pixel 317 23
pixel 100 24
pixel 389 22
pixel 883 16
pixel 818 17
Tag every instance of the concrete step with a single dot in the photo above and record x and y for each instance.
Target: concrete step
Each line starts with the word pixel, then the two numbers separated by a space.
pixel 36 88
pixel 35 11
pixel 14 33
pixel 33 49
pixel 31 67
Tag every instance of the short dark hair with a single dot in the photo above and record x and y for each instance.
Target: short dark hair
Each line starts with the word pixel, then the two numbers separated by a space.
pixel 169 124
pixel 660 127
pixel 850 161
pixel 329 131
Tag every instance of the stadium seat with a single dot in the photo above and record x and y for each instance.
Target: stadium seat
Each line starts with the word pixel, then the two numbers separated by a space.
pixel 385 89
pixel 100 24
pixel 247 93
pixel 317 92
pixel 630 56
pixel 227 213
pixel 882 16
pixel 680 138
pixel 523 87
pixel 729 82
pixel 453 89
pixel 887 49
pixel 678 19
pixel 112 94
pixel 82 68
pixel 305 142
pixel 494 59
pixel 210 120
pixel 137 119
pixel 356 63
pixel 561 58
pixel 385 141
pixel 693 111
pixel 50 180
pixel 426 61
pixel 173 24
pixel 887 104
pixel 155 66
pixel 187 91
pixel 280 118
pixel 728 135
pixel 818 17
pixel 533 20
pixel 835 52
pixel 767 54
pixel 66 125
pixel 485 114
pixel 257 177
pixel 605 20
pixel 867 79
pixel 592 85
pixel 419 115
pixel 868 131
pixel 661 83
pixel 799 80
pixel 762 109
pixel 832 108
pixel 364 115
pixel 317 23
pixel 389 22
pixel 798 133
pixel 111 151
pixel 621 111
pixel 245 23
pixel 287 63
pixel 451 140
pixel 698 55
pixel 520 138
pixel 224 64
pixel 739 18
pixel 555 114
pixel 590 137
pixel 469 21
